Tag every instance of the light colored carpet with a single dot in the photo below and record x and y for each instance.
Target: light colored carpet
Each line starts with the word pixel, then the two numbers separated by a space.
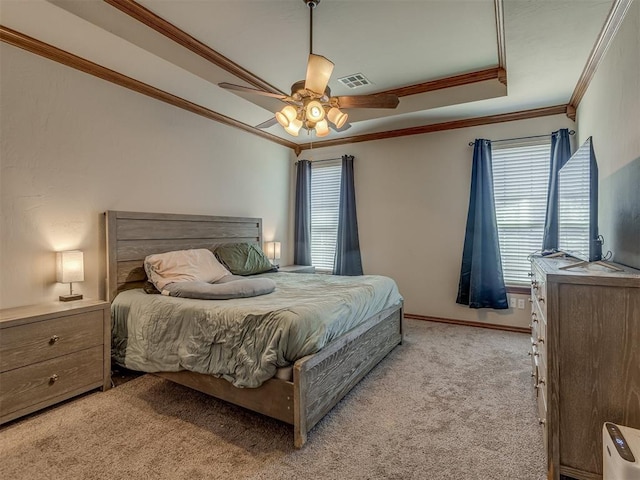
pixel 450 403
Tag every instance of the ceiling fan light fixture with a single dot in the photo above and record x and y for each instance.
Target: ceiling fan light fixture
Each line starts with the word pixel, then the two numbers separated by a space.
pixel 314 111
pixel 294 127
pixel 310 105
pixel 322 128
pixel 286 115
pixel 337 117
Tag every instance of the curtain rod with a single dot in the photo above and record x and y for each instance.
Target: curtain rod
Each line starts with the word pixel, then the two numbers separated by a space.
pixel 323 160
pixel 571 132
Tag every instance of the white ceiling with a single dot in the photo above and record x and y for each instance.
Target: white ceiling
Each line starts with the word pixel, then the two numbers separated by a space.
pixel 394 43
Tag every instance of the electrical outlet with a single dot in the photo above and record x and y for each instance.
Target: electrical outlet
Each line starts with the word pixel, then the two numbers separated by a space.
pixel 512 302
pixel 521 303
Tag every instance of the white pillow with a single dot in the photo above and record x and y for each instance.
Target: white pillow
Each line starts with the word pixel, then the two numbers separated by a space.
pixel 198 265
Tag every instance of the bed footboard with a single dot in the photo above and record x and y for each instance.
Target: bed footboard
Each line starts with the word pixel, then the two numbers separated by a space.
pixel 273 398
pixel 323 379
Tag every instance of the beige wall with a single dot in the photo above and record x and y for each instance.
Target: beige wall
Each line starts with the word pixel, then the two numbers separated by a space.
pixel 610 108
pixel 412 199
pixel 610 113
pixel 73 146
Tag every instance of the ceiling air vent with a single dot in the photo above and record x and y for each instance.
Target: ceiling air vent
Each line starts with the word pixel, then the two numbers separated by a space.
pixel 355 80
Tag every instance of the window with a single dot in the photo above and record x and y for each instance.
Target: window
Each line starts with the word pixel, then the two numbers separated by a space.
pixel 325 203
pixel 520 182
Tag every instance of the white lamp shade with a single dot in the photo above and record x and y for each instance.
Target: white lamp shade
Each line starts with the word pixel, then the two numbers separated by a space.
pixel 282 119
pixel 294 127
pixel 273 250
pixel 286 115
pixel 69 266
pixel 315 112
pixel 337 117
pixel 322 128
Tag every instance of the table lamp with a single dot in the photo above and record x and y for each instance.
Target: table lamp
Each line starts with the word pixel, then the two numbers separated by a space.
pixel 273 252
pixel 69 269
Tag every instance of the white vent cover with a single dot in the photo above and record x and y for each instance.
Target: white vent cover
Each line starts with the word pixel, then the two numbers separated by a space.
pixel 355 80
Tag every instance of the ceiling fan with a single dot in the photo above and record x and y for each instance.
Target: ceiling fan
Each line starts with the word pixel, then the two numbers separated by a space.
pixel 310 104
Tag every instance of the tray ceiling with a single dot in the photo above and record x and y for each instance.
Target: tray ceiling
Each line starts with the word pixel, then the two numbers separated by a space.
pixel 394 43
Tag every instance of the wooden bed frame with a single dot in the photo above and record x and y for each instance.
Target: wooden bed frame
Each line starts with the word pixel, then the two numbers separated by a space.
pixel 320 380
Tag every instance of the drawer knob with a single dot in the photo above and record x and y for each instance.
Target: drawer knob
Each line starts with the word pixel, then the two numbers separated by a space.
pixel 542 421
pixel 54 339
pixel 540 340
pixel 53 378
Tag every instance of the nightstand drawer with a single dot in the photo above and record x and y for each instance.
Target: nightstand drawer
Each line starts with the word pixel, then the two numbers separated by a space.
pixel 34 342
pixel 47 382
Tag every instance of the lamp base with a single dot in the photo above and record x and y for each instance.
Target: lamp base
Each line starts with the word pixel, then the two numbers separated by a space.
pixel 70 298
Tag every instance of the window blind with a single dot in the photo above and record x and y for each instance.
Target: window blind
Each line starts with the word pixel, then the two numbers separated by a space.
pixel 520 181
pixel 325 203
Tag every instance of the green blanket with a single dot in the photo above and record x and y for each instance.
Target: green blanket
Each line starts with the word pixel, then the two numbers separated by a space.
pixel 244 340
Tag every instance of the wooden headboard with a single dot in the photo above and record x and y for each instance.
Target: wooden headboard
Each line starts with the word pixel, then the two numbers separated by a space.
pixel 131 236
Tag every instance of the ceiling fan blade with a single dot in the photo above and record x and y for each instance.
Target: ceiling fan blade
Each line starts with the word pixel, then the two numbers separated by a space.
pixel 319 71
pixel 382 100
pixel 268 123
pixel 240 88
pixel 346 126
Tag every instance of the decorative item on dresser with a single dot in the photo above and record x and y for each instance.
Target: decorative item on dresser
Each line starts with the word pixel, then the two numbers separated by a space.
pixel 585 332
pixel 52 352
pixel 298 269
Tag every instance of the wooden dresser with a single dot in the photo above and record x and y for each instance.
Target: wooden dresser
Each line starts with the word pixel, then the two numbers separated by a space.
pixel 51 352
pixel 585 350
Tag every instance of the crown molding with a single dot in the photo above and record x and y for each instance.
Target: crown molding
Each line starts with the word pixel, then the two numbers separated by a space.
pixel 498 7
pixel 160 25
pixel 448 82
pixel 611 25
pixel 172 32
pixel 438 127
pixel 50 52
pixel 38 47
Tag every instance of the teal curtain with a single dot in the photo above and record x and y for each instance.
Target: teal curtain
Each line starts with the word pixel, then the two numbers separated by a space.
pixel 302 225
pixel 560 154
pixel 347 260
pixel 481 280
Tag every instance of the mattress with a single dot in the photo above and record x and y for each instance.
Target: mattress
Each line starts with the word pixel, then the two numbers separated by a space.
pixel 244 340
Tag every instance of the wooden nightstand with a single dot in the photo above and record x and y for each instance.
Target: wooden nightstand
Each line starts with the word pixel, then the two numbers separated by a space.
pixel 52 352
pixel 298 269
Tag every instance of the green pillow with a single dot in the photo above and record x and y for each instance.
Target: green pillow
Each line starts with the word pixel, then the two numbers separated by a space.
pixel 243 259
